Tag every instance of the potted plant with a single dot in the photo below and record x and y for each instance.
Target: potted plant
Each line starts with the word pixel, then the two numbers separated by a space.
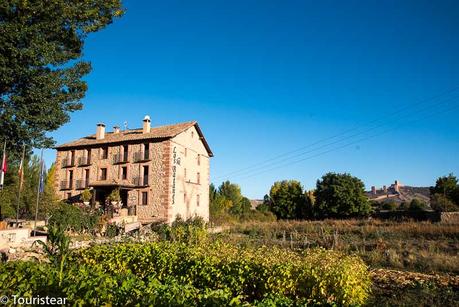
pixel 114 197
pixel 86 197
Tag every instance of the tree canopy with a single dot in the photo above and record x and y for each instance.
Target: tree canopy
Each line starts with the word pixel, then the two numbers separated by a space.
pixel 340 195
pixel 445 194
pixel 287 200
pixel 41 70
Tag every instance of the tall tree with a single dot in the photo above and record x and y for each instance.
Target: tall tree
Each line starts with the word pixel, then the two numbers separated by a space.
pixel 340 195
pixel 445 185
pixel 41 70
pixel 231 191
pixel 287 200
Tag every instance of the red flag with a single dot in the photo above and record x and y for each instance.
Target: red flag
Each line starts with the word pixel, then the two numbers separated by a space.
pixel 4 165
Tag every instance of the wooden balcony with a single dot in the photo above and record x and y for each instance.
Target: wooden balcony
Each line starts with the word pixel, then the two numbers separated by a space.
pixel 140 181
pixel 120 158
pixel 68 162
pixel 66 185
pixel 141 156
pixel 82 184
pixel 84 161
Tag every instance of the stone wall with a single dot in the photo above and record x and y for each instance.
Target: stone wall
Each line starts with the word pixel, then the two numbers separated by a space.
pixel 449 217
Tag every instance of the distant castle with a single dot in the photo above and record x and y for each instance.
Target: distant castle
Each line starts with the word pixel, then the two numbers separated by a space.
pixel 393 189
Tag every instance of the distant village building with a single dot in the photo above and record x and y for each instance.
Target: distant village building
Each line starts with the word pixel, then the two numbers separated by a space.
pixel 161 172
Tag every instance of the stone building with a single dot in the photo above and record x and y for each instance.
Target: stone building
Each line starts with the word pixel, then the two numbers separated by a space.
pixel 161 172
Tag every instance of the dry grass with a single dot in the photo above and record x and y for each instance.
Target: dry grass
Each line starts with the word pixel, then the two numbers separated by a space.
pixel 415 246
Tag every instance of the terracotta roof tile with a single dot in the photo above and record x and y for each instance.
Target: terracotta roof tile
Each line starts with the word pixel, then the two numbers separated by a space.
pixel 162 132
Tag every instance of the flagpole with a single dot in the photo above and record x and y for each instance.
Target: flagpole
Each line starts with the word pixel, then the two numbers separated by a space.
pixel 2 174
pixel 2 170
pixel 20 185
pixel 40 174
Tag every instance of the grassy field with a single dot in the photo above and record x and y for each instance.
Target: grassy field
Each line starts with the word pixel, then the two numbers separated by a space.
pixel 411 263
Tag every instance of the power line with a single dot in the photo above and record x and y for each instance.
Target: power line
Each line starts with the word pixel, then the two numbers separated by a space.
pixel 433 98
pixel 345 145
pixel 265 163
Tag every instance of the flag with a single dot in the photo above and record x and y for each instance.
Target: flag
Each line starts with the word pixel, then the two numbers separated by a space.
pixel 42 176
pixel 21 173
pixel 3 167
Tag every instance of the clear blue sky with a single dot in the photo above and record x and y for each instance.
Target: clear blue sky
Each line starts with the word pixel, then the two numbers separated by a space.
pixel 264 78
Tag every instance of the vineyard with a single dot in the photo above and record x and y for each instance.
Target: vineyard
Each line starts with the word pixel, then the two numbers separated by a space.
pixel 175 273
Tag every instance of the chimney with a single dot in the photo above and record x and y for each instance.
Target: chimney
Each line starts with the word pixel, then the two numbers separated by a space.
pixel 116 129
pixel 146 124
pixel 373 190
pixel 385 189
pixel 100 132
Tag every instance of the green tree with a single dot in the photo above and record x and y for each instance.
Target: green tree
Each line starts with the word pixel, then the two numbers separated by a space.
pixel 231 192
pixel 340 195
pixel 287 200
pixel 27 202
pixel 41 70
pixel 445 185
pixel 441 203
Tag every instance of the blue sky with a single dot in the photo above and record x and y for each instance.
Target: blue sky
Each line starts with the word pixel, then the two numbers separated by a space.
pixel 264 78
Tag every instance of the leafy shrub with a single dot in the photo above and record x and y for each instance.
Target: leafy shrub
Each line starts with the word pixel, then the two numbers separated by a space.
pixel 390 206
pixel 319 276
pixel 192 230
pixel 417 205
pixel 441 203
pixel 70 217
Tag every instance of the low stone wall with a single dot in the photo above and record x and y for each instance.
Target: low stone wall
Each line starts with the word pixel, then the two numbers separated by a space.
pixel 449 217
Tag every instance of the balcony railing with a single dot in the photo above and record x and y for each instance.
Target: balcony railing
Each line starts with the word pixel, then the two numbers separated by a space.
pixel 82 161
pixel 140 181
pixel 66 185
pixel 120 158
pixel 82 184
pixel 141 156
pixel 68 162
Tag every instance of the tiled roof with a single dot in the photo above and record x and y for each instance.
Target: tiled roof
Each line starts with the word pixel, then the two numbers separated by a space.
pixel 161 132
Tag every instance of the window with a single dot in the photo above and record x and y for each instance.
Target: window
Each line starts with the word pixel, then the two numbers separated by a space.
pixel 86 177
pixel 199 159
pixel 186 151
pixel 103 174
pixel 198 179
pixel 184 197
pixel 70 179
pixel 146 151
pixel 72 158
pixel 145 175
pixel 197 200
pixel 192 134
pixel 124 172
pixel 104 153
pixel 125 153
pixel 184 173
pixel 87 156
pixel 145 198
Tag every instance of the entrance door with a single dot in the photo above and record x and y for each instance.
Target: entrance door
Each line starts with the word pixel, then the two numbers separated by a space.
pixel 124 198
